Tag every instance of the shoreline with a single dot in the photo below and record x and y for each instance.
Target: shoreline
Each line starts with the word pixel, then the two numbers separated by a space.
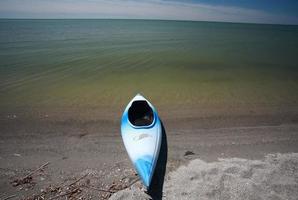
pixel 174 111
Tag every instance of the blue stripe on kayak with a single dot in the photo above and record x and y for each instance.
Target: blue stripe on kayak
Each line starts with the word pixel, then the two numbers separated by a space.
pixel 124 120
pixel 144 169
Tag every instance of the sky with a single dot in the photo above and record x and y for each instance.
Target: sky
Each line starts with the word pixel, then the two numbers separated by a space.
pixel 248 11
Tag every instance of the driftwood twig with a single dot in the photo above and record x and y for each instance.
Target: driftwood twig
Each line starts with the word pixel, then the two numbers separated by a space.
pixel 9 197
pixel 133 182
pixel 75 190
pixel 77 180
pixel 28 177
pixel 99 189
pixel 82 177
pixel 111 191
pixel 40 168
pixel 65 194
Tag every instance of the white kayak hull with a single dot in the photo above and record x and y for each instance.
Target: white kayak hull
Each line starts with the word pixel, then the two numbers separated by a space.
pixel 142 141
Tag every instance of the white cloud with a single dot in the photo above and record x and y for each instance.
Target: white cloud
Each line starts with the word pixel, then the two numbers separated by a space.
pixel 146 9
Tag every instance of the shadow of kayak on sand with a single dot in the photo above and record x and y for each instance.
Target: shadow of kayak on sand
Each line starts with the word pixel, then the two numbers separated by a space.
pixel 155 189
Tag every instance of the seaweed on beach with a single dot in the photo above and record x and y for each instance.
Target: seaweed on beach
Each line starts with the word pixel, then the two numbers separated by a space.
pixel 79 188
pixel 28 179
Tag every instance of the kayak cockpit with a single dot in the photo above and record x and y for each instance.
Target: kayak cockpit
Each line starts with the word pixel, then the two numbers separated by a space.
pixel 140 113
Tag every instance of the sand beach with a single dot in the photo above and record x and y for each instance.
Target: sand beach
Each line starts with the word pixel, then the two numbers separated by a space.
pixel 240 157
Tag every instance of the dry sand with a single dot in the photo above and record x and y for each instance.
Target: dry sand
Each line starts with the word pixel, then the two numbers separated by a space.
pixel 76 147
pixel 275 177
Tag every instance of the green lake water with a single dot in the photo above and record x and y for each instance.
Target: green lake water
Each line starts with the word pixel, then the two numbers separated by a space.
pixel 104 63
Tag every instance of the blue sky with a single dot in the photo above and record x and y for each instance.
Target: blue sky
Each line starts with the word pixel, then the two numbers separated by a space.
pixel 251 11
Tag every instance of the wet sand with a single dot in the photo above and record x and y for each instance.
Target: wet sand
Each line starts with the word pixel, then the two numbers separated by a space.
pixel 92 146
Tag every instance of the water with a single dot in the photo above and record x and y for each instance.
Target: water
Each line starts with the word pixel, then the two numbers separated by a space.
pixel 103 63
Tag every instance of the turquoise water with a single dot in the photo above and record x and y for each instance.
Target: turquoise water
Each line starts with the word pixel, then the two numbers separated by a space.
pixel 87 63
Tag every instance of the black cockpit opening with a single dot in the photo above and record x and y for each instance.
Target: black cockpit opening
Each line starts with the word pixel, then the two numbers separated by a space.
pixel 140 113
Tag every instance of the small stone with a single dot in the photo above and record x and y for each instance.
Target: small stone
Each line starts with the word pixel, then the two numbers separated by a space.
pixel 189 153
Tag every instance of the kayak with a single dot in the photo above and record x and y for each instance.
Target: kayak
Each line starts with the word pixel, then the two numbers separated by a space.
pixel 141 133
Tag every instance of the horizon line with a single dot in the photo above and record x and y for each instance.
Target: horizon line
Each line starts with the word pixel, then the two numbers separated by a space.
pixel 177 20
